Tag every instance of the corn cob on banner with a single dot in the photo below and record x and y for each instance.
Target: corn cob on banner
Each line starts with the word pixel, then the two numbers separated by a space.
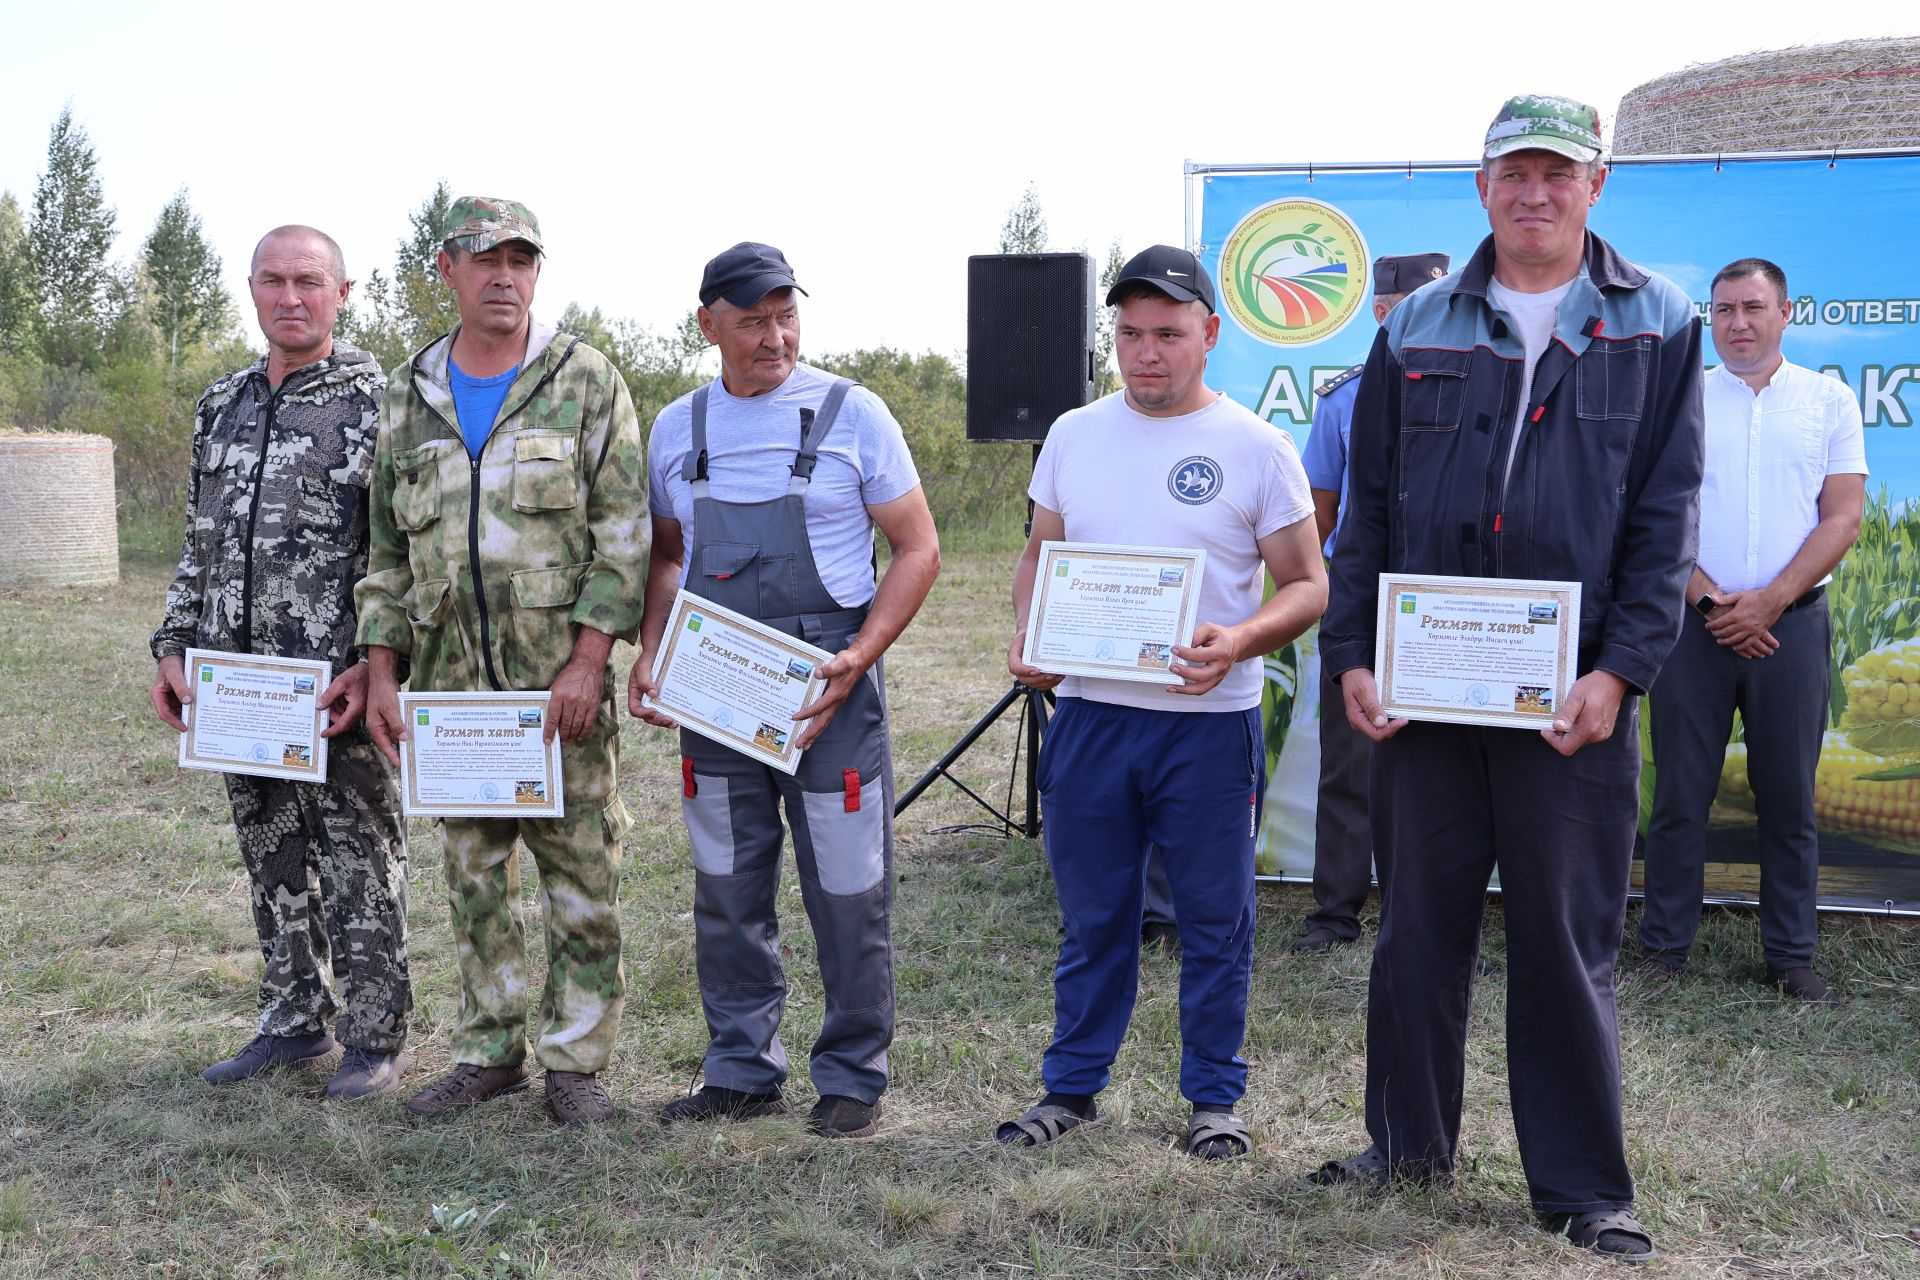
pixel 1291 249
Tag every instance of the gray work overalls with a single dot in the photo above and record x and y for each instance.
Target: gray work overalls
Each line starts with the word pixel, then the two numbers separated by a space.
pixel 756 558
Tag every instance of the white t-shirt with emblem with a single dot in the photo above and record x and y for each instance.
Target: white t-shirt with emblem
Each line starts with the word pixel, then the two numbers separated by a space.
pixel 1217 479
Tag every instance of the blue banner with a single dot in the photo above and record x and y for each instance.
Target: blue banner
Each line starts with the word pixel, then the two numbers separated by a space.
pixel 1291 251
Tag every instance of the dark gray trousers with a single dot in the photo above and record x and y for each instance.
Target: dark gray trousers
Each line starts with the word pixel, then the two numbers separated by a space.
pixel 1782 700
pixel 843 849
pixel 1452 803
pixel 1342 836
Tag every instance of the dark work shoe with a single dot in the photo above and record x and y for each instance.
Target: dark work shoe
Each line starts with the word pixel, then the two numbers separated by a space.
pixel 466 1086
pixel 364 1073
pixel 1654 973
pixel 1801 983
pixel 1318 938
pixel 836 1116
pixel 716 1103
pixel 575 1097
pixel 271 1053
pixel 1160 933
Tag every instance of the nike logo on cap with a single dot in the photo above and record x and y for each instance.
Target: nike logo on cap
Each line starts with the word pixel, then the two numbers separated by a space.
pixel 1172 272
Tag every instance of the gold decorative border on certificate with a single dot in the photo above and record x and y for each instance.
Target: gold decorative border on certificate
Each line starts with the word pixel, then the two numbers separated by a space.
pixel 1193 561
pixel 413 807
pixel 785 757
pixel 322 671
pixel 1566 594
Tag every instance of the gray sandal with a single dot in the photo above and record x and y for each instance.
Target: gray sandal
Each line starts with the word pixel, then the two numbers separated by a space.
pixel 1217 1135
pixel 1043 1125
pixel 1613 1232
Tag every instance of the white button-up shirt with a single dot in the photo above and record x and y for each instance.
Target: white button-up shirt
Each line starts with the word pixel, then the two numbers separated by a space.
pixel 1767 457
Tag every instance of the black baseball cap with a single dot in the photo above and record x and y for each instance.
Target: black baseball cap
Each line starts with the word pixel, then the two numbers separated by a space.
pixel 1403 273
pixel 745 274
pixel 1174 272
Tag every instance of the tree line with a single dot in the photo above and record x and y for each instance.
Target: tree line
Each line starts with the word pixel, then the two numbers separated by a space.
pixel 122 349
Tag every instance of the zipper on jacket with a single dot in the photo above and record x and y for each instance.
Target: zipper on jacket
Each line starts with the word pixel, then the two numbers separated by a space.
pixel 473 502
pixel 264 437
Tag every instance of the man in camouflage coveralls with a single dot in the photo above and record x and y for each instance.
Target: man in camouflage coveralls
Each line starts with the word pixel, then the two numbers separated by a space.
pixel 508 538
pixel 276 538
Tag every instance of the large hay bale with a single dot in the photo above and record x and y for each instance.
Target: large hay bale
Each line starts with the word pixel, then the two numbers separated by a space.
pixel 56 510
pixel 1853 94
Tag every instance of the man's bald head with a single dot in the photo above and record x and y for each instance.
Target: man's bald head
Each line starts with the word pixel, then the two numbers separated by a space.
pixel 327 248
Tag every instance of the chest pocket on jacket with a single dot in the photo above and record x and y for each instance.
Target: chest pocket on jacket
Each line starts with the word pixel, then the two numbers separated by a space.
pixel 416 487
pixel 543 473
pixel 1433 389
pixel 1611 378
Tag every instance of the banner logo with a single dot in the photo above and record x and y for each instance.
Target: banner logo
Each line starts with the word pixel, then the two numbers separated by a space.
pixel 1295 272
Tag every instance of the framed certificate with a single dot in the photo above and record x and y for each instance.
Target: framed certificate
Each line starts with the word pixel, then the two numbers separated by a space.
pixel 257 715
pixel 736 681
pixel 1496 651
pixel 1112 612
pixel 479 755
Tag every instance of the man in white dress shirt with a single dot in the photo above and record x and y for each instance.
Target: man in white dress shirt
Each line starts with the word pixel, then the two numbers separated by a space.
pixel 1786 471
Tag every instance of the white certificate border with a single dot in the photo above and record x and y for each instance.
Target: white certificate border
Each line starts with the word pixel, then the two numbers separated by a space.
pixel 1195 561
pixel 1566 651
pixel 786 760
pixel 189 757
pixel 413 807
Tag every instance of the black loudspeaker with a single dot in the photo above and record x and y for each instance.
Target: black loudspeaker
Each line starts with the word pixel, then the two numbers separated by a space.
pixel 1029 342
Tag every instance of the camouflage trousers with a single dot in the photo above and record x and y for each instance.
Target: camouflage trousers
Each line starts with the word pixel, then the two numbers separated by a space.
pixel 578 858
pixel 329 871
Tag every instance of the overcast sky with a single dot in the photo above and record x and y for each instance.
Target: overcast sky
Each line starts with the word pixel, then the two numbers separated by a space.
pixel 877 144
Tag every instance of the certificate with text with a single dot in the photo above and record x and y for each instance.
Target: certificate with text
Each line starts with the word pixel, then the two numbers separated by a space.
pixel 737 681
pixel 256 715
pixel 1494 651
pixel 1112 612
pixel 479 755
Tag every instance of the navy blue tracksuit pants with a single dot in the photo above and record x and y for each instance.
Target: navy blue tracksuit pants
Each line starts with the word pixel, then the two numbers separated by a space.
pixel 1451 803
pixel 1114 780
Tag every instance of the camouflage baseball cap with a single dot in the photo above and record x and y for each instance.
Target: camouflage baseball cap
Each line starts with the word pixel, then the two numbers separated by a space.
pixel 1541 122
pixel 481 222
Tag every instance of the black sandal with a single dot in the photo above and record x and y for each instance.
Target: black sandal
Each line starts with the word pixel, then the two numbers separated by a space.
pixel 1613 1232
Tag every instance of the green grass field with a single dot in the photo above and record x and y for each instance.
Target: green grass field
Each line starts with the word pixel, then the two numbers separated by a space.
pixel 1769 1140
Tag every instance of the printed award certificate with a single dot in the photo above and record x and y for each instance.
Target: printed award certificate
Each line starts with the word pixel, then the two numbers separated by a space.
pixel 479 755
pixel 255 714
pixel 1497 651
pixel 1112 612
pixel 736 681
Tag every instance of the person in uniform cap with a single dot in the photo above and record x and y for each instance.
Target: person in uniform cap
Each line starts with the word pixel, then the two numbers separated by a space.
pixel 765 487
pixel 1180 765
pixel 1342 843
pixel 276 538
pixel 507 550
pixel 1535 414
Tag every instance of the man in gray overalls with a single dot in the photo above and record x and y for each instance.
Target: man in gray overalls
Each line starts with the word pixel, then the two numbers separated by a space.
pixel 765 486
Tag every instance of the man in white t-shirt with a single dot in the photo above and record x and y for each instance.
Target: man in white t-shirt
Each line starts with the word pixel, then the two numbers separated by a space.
pixel 1785 481
pixel 765 486
pixel 1168 463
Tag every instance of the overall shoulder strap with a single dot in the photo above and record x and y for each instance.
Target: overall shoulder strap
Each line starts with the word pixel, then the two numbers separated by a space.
pixel 694 469
pixel 814 428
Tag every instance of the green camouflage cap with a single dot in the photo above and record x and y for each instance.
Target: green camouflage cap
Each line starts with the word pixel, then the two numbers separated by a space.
pixel 481 222
pixel 1541 122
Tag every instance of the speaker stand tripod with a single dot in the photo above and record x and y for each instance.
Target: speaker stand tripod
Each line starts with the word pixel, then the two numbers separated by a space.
pixel 1034 708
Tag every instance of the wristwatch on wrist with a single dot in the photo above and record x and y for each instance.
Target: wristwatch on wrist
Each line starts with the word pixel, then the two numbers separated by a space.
pixel 1706 604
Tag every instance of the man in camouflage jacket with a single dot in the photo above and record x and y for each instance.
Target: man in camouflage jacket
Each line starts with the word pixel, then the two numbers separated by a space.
pixel 276 538
pixel 508 539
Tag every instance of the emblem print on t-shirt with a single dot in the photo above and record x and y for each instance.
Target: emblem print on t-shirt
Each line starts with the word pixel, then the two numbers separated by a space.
pixel 1194 480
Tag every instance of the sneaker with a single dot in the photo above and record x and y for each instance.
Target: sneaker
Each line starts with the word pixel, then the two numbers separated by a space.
pixel 1318 938
pixel 1160 933
pixel 1801 983
pixel 575 1097
pixel 837 1116
pixel 364 1073
pixel 466 1086
pixel 716 1103
pixel 271 1053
